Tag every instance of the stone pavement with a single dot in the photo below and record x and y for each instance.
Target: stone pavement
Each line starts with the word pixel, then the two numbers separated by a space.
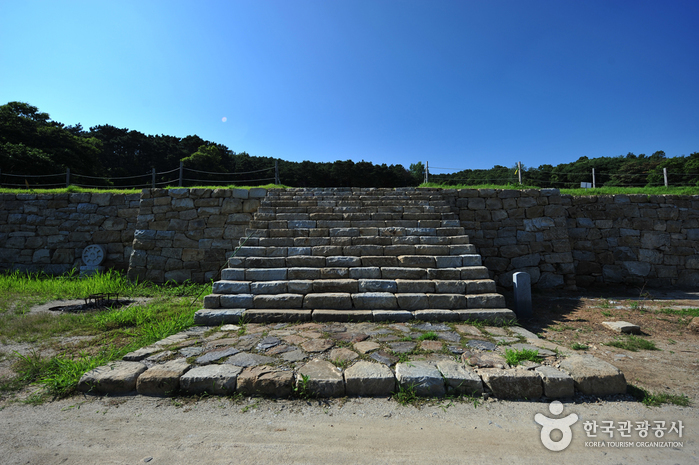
pixel 354 359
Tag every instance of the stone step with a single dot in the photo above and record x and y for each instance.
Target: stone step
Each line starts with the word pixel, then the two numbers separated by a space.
pixel 308 220
pixel 308 286
pixel 345 224
pixel 357 301
pixel 303 208
pixel 465 273
pixel 455 260
pixel 416 235
pixel 215 317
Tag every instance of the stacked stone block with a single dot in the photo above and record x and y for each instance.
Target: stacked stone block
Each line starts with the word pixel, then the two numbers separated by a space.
pixel 184 234
pixel 368 253
pixel 48 232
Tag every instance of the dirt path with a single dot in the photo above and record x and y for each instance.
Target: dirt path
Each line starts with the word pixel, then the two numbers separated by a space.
pixel 138 429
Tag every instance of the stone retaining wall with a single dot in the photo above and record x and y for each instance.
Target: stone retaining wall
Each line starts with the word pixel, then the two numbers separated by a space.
pixel 48 232
pixel 185 234
pixel 179 234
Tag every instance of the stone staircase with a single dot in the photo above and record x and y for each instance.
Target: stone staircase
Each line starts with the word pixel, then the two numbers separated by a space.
pixel 354 255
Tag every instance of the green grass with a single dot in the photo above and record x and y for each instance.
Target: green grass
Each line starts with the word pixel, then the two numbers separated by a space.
pixel 515 357
pixel 659 190
pixel 579 346
pixel 116 190
pixel 428 336
pixel 690 312
pixel 656 399
pixel 406 395
pixel 115 332
pixel 632 343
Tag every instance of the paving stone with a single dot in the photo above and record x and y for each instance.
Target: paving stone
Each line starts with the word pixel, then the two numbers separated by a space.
pixel 280 349
pixel 334 328
pixel 365 347
pixel 456 350
pixel 268 342
pixel 495 331
pixel 449 336
pixel 216 317
pixel 246 359
pixel 324 379
pixel 593 376
pixel 141 353
pixel 316 345
pixel 294 339
pixel 350 337
pixel 423 377
pixel 484 359
pixel 402 347
pixel 481 345
pixel 114 378
pixel 265 380
pixel 215 355
pixel 311 334
pixel 491 315
pixel 519 331
pixel 505 339
pixel 227 341
pixel 191 351
pixel 383 357
pixel 512 383
pixel 214 379
pixel 230 328
pixel 389 338
pixel 392 315
pixel 557 384
pixel 342 355
pixel 173 340
pixel 369 379
pixel 162 380
pixel 432 327
pixel 294 356
pixel 459 379
pixel 247 342
pixel 431 346
pixel 622 327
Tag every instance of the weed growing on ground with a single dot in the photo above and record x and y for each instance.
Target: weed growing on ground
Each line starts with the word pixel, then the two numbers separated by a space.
pixel 579 346
pixel 656 399
pixel 301 387
pixel 406 395
pixel 341 363
pixel 516 356
pixel 428 336
pixel 632 343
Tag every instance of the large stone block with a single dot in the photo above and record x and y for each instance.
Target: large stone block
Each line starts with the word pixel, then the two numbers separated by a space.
pixel 557 384
pixel 459 379
pixel 512 383
pixel 333 301
pixel 265 380
pixel 114 378
pixel 374 301
pixel 423 377
pixel 594 376
pixel 214 379
pixel 289 301
pixel 369 379
pixel 162 380
pixel 321 378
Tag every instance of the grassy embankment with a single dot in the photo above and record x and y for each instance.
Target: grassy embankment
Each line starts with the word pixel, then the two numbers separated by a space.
pixel 113 333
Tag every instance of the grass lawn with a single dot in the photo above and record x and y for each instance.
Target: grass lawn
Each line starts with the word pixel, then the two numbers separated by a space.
pixel 114 332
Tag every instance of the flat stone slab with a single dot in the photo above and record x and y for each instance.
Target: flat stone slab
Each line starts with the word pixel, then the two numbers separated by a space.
pixel 435 315
pixel 423 377
pixel 216 317
pixel 468 329
pixel 519 331
pixel 142 353
pixel 369 379
pixel 594 376
pixel 459 379
pixel 246 359
pixel 294 356
pixel 191 351
pixel 622 327
pixel 342 355
pixel 450 336
pixel 402 347
pixel 268 342
pixel 481 345
pixel 557 384
pixel 162 380
pixel 214 379
pixel 342 315
pixel 431 327
pixel 265 380
pixel 521 346
pixel 484 359
pixel 215 355
pixel 115 378
pixel 324 379
pixel 505 339
pixel 513 383
pixel 495 331
pixel 277 315
pixel 316 345
pixel 431 346
pixel 383 357
pixel 350 336
pixel 365 347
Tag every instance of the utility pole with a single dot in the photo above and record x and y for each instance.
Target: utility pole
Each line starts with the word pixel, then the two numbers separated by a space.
pixel 427 171
pixel 594 184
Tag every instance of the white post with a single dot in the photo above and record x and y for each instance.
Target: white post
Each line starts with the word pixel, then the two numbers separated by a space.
pixel 665 175
pixel 427 172
pixel 594 184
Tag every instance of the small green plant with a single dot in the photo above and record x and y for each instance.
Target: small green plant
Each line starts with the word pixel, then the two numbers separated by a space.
pixel 250 406
pixel 579 346
pixel 341 363
pixel 650 399
pixel 301 387
pixel 605 303
pixel 633 344
pixel 635 305
pixel 671 341
pixel 516 356
pixel 428 336
pixel 406 395
pixel 607 314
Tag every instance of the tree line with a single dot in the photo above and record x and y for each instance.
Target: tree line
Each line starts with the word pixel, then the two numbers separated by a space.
pixel 33 144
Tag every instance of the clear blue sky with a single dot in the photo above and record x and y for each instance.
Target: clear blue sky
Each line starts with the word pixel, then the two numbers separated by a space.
pixel 461 84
